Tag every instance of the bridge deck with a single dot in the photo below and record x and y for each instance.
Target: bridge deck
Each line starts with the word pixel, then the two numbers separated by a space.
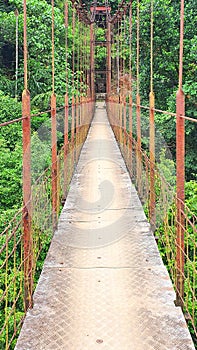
pixel 103 284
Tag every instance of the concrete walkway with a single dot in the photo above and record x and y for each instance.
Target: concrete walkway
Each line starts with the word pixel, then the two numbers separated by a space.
pixel 103 285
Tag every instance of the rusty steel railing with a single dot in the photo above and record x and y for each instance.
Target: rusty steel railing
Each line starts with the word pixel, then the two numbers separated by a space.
pixel 172 221
pixel 20 264
pixel 12 280
pixel 25 240
pixel 166 216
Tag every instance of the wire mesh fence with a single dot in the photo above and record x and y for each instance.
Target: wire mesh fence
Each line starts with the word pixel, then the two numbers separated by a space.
pixel 11 281
pixel 166 221
pixel 15 281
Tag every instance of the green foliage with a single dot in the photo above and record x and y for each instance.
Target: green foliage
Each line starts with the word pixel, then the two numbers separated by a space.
pixel 191 195
pixel 40 156
pixel 10 109
pixel 39 49
pixel 10 176
pixel 167 238
pixel 166 125
pixel 6 6
pixel 10 154
pixel 167 169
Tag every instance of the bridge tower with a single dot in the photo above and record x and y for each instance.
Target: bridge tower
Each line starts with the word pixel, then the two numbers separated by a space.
pixel 101 77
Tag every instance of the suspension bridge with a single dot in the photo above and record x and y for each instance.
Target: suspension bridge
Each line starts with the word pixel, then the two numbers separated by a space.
pixel 103 283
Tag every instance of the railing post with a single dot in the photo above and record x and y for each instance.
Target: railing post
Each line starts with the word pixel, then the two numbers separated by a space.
pixel 138 108
pixel 26 219
pixel 80 122
pixel 73 133
pixel 120 121
pixel 65 145
pixel 27 235
pixel 66 107
pixel 124 124
pixel 130 148
pixel 54 160
pixel 81 119
pixel 116 116
pixel 138 148
pixel 152 162
pixel 58 183
pixel 77 128
pixel 152 195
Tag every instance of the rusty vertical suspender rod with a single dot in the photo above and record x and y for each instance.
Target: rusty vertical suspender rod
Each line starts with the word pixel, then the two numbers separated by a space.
pixel 73 90
pixel 138 112
pixel 152 132
pixel 66 104
pixel 130 148
pixel 180 168
pixel 108 80
pixel 26 127
pixel 53 128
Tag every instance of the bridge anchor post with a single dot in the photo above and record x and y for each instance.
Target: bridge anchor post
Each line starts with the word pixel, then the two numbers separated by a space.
pixel 26 218
pixel 180 197
pixel 54 160
pixel 152 213
pixel 180 174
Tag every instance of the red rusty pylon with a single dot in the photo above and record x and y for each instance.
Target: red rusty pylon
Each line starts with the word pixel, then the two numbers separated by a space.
pixel 54 160
pixel 26 128
pixel 180 168
pixel 152 198
pixel 138 108
pixel 152 203
pixel 53 129
pixel 65 145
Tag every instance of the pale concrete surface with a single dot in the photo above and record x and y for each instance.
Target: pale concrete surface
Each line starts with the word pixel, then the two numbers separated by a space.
pixel 103 284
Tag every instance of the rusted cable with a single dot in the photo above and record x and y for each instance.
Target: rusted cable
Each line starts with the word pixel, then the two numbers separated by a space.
pixel 188 118
pixel 12 121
